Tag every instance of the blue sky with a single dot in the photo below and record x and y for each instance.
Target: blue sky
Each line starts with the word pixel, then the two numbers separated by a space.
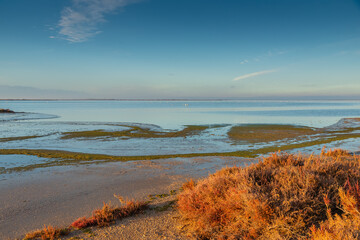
pixel 179 49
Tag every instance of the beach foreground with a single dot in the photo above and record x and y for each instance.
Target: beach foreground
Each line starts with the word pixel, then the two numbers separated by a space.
pixel 58 196
pixel 281 196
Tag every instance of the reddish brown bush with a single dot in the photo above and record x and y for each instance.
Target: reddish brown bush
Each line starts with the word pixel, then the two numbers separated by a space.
pixel 281 197
pixel 100 217
pixel 345 226
pixel 190 184
pixel 47 233
pixel 335 152
pixel 107 214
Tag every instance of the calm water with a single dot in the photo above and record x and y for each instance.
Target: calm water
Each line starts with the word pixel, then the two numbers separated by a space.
pixel 50 119
pixel 173 114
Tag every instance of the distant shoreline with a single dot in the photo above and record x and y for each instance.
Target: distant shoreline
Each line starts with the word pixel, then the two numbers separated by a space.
pixel 180 100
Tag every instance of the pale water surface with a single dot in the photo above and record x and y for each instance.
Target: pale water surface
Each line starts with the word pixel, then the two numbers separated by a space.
pixel 49 119
pixel 173 114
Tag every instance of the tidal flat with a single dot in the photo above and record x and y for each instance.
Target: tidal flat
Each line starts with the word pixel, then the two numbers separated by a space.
pixel 246 140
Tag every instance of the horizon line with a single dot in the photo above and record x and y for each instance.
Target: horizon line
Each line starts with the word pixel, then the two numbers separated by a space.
pixel 300 98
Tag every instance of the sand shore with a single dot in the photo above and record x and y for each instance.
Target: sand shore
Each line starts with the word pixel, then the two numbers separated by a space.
pixel 59 195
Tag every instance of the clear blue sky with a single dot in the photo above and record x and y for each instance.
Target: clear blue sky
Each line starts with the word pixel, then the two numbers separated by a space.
pixel 179 48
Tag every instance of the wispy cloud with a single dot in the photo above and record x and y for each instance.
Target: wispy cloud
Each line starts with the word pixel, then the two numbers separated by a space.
pixel 244 61
pixel 81 20
pixel 253 74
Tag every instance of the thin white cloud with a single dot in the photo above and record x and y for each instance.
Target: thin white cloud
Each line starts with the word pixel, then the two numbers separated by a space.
pixel 245 61
pixel 242 77
pixel 81 20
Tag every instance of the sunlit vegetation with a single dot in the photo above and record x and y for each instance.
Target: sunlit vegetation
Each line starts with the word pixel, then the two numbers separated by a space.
pixel 341 226
pixel 47 233
pixel 135 132
pixel 108 214
pixel 284 196
pixel 101 217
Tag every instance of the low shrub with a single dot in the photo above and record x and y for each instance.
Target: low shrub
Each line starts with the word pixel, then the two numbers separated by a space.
pixel 284 196
pixel 107 214
pixel 101 217
pixel 47 233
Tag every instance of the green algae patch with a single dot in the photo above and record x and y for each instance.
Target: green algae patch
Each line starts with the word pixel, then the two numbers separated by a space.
pixel 255 133
pixel 319 141
pixel 135 132
pixel 9 139
pixel 64 158
pixel 267 133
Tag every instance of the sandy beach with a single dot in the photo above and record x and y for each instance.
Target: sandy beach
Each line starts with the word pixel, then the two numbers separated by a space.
pixel 59 195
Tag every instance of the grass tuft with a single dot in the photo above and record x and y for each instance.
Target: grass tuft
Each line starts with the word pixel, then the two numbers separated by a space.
pixel 101 217
pixel 107 214
pixel 47 233
pixel 335 152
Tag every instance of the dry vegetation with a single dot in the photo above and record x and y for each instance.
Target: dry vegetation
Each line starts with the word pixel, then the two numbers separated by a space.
pixel 100 217
pixel 284 196
pixel 47 233
pixel 107 214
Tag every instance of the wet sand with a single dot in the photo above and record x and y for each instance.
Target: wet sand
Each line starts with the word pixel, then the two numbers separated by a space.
pixel 59 195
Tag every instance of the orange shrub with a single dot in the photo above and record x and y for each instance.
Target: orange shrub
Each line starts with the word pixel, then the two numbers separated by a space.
pixel 107 214
pixel 337 152
pixel 100 217
pixel 47 233
pixel 281 197
pixel 345 226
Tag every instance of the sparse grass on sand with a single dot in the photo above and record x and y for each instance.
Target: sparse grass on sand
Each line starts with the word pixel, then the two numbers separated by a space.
pixel 284 196
pixel 47 233
pixel 107 214
pixel 100 217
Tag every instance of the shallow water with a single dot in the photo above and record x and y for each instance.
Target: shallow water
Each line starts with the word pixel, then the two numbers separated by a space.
pixel 49 119
pixel 15 160
pixel 173 114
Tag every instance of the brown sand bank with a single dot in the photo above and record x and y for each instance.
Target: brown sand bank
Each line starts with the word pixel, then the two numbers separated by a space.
pixel 59 195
